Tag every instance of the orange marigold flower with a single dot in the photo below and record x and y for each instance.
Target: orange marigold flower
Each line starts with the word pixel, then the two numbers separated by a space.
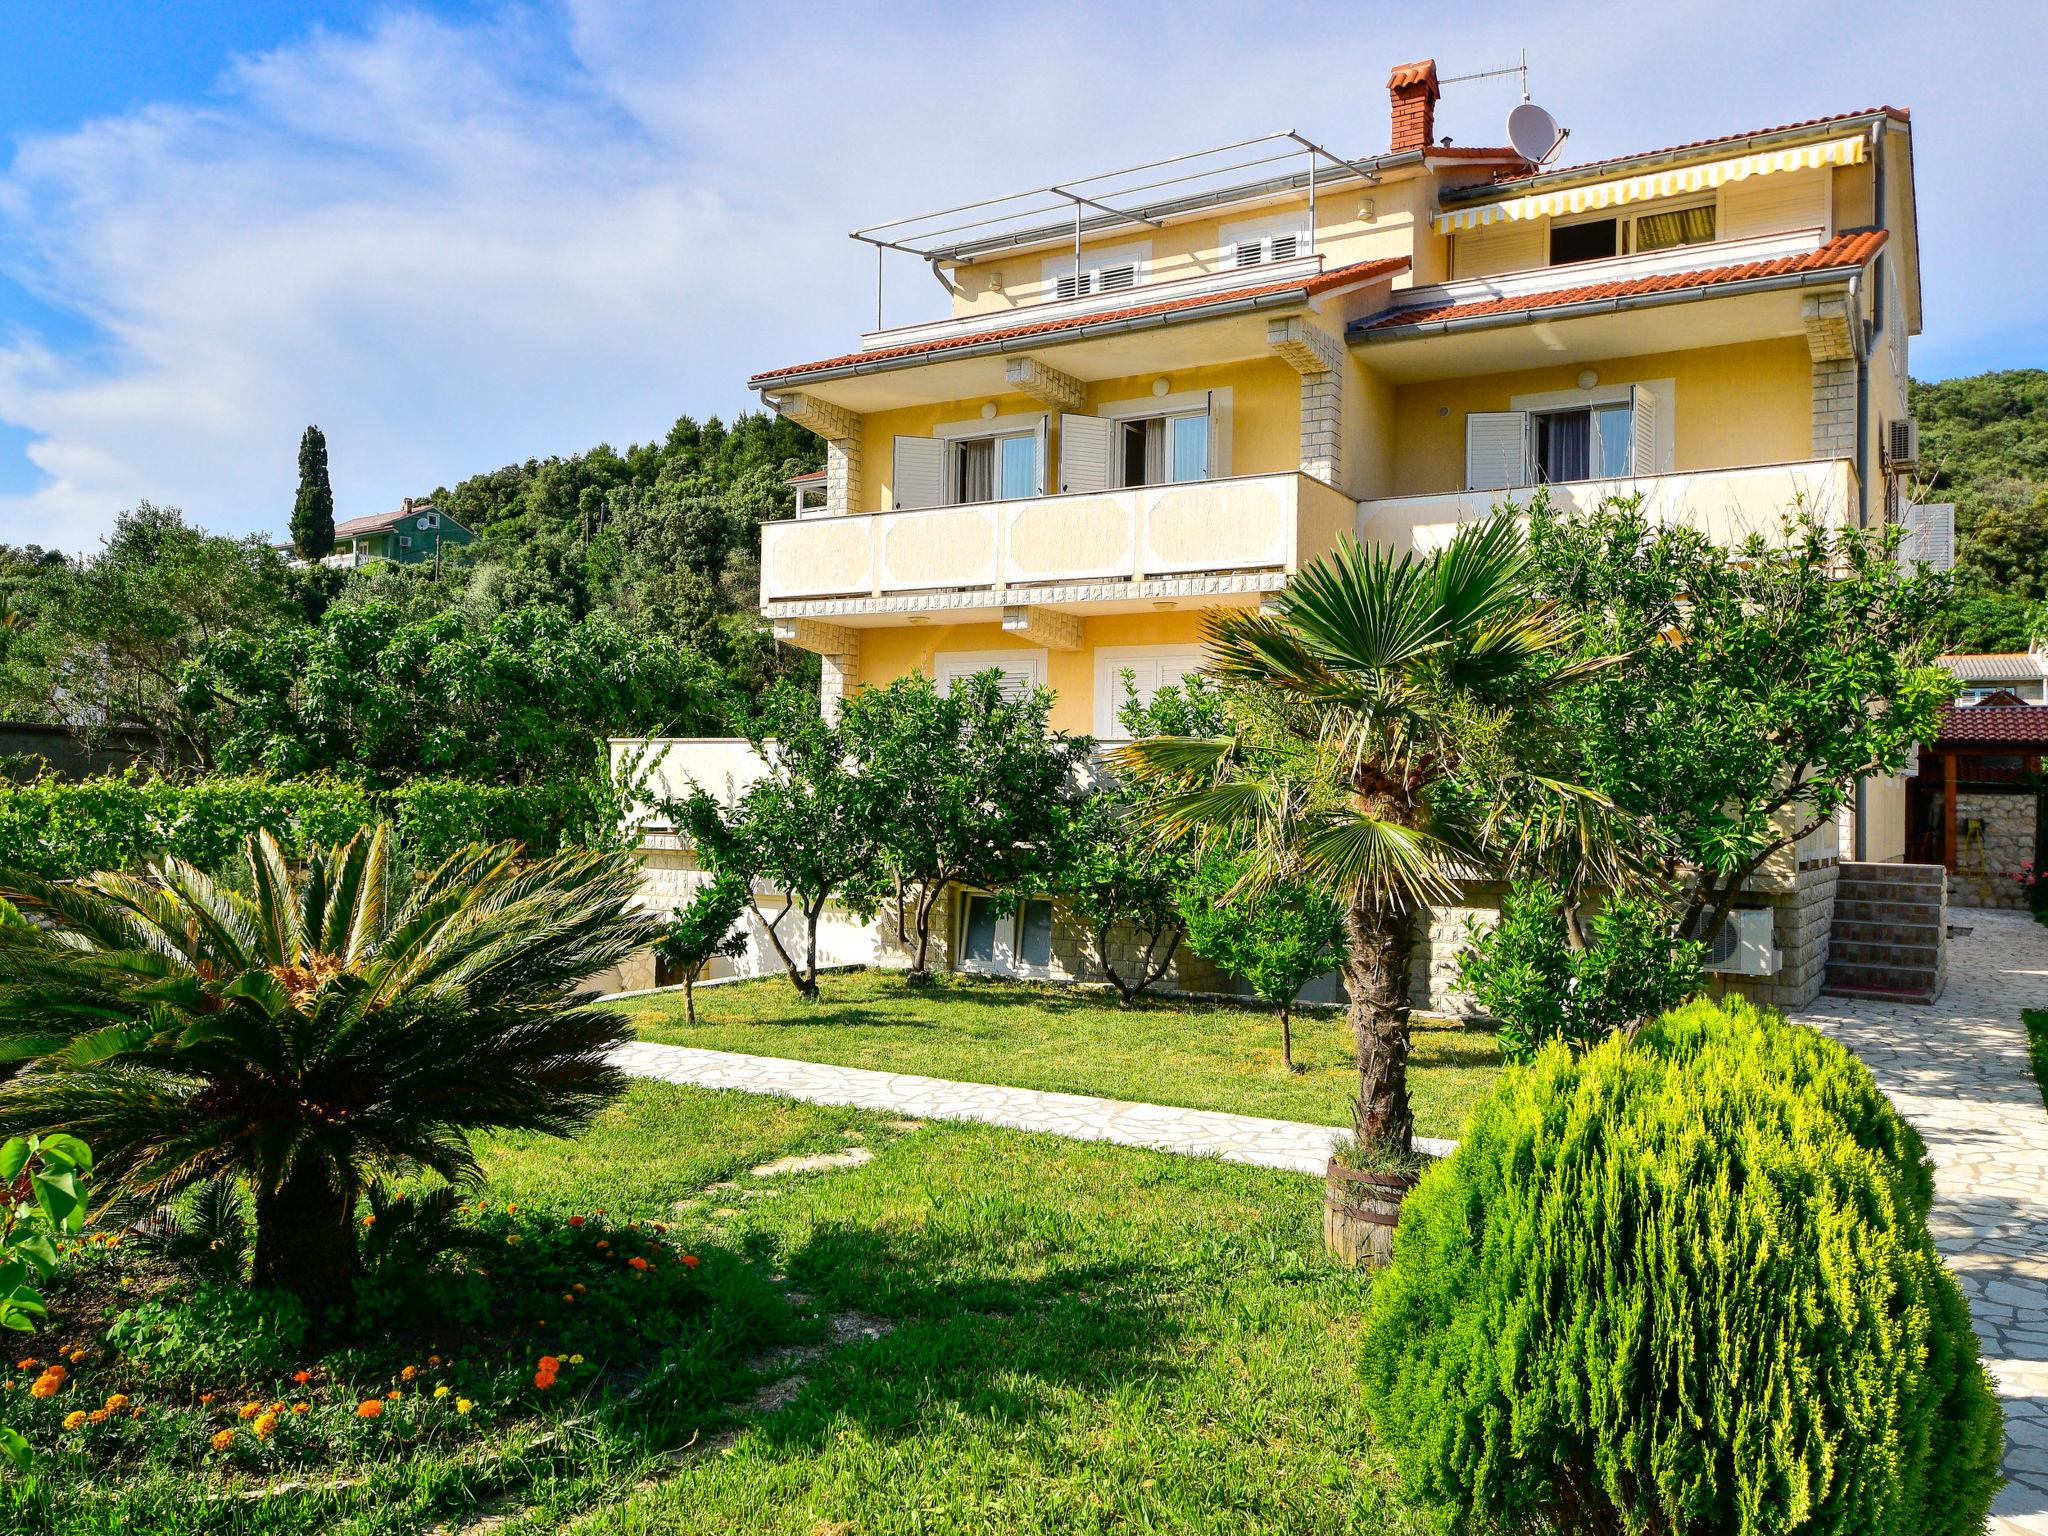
pixel 302 1407
pixel 74 1418
pixel 433 1359
pixel 264 1427
pixel 369 1221
pixel 408 1373
pixel 47 1384
pixel 394 1394
pixel 250 1410
pixel 224 1439
pixel 637 1262
pixel 369 1408
pixel 99 1416
pixel 550 1363
pixel 575 1221
pixel 510 1207
pixel 543 1380
pixel 302 1377
pixel 604 1242
pixel 27 1365
pixel 117 1402
pixel 207 1397
pixel 78 1357
pixel 692 1260
pixel 577 1287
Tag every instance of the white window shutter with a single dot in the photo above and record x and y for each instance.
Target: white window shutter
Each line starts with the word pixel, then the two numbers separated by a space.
pixel 1496 450
pixel 1642 431
pixel 1016 682
pixel 920 479
pixel 1084 452
pixel 1043 435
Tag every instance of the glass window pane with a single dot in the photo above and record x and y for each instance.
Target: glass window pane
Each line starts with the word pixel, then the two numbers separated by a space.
pixel 1191 447
pixel 980 941
pixel 1563 445
pixel 1581 242
pixel 975 466
pixel 1131 444
pixel 1682 226
pixel 1020 466
pixel 1034 934
pixel 1615 425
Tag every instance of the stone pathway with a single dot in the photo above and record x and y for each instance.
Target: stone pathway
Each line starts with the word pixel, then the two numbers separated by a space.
pixel 1195 1132
pixel 1958 1070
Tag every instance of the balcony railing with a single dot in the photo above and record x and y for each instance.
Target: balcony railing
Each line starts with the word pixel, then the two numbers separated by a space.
pixel 1728 505
pixel 1242 524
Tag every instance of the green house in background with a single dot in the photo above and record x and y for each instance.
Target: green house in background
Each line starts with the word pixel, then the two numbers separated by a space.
pixel 412 535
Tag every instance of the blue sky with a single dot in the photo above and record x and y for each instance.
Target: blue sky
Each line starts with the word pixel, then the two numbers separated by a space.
pixel 463 233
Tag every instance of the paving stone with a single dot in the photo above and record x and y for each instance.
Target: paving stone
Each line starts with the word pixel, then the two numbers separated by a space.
pixel 1957 1069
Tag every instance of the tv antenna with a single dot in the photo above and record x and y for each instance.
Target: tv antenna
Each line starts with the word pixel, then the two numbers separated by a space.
pixel 1534 133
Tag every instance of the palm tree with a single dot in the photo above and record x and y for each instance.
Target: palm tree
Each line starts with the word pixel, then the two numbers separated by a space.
pixel 334 1024
pixel 1389 731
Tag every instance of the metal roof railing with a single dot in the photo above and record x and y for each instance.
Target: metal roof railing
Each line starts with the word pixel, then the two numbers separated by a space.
pixel 1129 195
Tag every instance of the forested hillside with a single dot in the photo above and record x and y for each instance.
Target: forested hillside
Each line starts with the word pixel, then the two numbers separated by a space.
pixel 1984 446
pixel 609 594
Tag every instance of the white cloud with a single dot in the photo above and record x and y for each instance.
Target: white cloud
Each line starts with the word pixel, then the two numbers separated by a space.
pixel 453 245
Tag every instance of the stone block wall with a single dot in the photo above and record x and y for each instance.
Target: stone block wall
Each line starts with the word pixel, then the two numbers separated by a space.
pixel 1801 919
pixel 1985 865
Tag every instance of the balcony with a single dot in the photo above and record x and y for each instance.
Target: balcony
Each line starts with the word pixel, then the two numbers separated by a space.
pixel 1245 533
pixel 1728 505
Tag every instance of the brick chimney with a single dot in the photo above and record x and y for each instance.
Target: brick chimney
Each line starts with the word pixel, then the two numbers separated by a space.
pixel 408 503
pixel 1414 91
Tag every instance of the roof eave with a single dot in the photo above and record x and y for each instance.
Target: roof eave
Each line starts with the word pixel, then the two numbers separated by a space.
pixel 1034 341
pixel 1607 170
pixel 1366 330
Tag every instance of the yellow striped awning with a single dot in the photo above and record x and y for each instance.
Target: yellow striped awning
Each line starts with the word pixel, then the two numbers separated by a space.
pixel 1675 182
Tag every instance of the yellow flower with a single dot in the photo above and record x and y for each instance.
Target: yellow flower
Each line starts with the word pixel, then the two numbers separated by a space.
pixel 73 1419
pixel 408 1373
pixel 99 1416
pixel 441 1391
pixel 302 1407
pixel 250 1410
pixel 224 1439
pixel 575 1359
pixel 265 1426
pixel 463 1405
pixel 117 1402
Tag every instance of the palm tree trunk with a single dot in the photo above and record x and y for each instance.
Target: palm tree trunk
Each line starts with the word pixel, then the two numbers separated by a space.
pixel 1379 947
pixel 306 1244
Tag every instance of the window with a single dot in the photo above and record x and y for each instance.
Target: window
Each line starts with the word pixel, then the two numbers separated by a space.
pixel 1589 444
pixel 1589 240
pixel 1259 253
pixel 1260 242
pixel 405 541
pixel 1159 450
pixel 1140 670
pixel 810 500
pixel 1023 669
pixel 993 468
pixel 1098 272
pixel 1675 227
pixel 1006 943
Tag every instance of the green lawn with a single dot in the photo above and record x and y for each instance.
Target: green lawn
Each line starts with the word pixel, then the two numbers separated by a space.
pixel 2036 1022
pixel 1164 1051
pixel 1075 1337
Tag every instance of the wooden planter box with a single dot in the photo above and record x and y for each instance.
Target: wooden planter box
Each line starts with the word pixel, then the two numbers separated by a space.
pixel 1360 1211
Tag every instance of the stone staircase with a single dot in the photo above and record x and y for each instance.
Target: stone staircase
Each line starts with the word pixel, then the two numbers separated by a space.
pixel 1889 938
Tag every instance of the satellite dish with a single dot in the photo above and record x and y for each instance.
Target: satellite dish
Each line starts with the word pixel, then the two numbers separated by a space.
pixel 1534 133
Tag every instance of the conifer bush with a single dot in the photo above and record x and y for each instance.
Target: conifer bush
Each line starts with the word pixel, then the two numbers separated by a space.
pixel 1684 1285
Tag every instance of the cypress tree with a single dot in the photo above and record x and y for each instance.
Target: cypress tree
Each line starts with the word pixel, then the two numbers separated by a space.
pixel 313 510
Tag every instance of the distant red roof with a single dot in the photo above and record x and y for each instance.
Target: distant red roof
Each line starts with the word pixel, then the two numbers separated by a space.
pixel 1842 251
pixel 2018 725
pixel 1322 282
pixel 1898 114
pixel 806 476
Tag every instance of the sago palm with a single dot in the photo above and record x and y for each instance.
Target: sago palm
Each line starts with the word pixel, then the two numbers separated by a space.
pixel 1388 701
pixel 333 1024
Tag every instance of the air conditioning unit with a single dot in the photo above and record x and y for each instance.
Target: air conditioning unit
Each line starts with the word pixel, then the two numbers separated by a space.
pixel 1743 947
pixel 1902 443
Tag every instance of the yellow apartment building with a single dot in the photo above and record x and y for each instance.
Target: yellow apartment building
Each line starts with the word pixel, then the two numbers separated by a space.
pixel 1160 391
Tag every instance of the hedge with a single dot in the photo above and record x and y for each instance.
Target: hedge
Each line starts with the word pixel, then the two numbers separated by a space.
pixel 1683 1284
pixel 60 829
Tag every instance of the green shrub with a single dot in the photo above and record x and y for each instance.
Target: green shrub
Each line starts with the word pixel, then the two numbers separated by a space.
pixel 60 829
pixel 1683 1284
pixel 208 1335
pixel 1526 972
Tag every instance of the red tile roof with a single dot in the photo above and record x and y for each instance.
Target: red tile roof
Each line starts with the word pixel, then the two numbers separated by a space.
pixel 2019 725
pixel 1322 282
pixel 1899 114
pixel 1842 251
pixel 809 474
